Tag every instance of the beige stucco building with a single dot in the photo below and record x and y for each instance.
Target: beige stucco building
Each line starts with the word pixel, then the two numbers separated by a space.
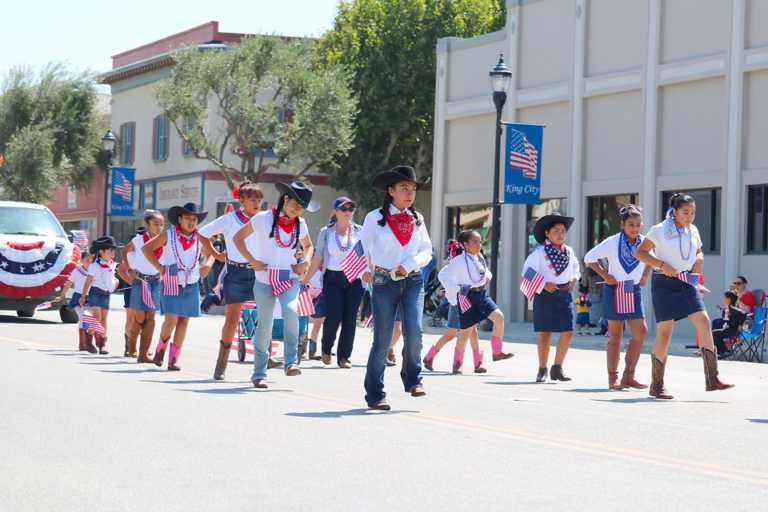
pixel 640 98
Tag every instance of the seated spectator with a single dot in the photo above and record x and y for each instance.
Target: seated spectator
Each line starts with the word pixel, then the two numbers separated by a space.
pixel 729 324
pixel 746 299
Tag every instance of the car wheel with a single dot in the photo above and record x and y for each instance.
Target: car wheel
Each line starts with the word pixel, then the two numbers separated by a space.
pixel 25 314
pixel 68 316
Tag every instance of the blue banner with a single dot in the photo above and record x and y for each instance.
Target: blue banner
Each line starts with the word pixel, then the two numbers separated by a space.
pixel 522 163
pixel 123 179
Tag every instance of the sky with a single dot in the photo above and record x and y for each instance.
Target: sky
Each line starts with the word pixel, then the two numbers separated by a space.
pixel 86 33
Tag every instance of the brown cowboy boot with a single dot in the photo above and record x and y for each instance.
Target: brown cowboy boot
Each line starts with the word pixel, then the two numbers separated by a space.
pixel 81 335
pixel 657 379
pixel 89 346
pixel 101 343
pixel 630 363
pixel 221 361
pixel 145 342
pixel 612 353
pixel 713 383
pixel 131 348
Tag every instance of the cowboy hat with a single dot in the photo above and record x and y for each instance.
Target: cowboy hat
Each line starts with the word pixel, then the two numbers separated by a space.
pixel 301 193
pixel 190 208
pixel 394 176
pixel 546 222
pixel 103 242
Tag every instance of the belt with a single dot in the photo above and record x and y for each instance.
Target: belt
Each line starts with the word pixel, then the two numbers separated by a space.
pixel 238 265
pixel 564 287
pixel 148 278
pixel 477 289
pixel 391 273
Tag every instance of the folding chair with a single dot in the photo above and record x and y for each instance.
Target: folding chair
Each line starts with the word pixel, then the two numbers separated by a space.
pixel 751 343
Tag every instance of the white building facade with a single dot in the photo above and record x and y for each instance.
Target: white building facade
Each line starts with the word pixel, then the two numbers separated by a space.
pixel 640 99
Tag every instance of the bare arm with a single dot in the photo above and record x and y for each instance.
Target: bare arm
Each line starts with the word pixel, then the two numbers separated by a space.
pixel 239 239
pixel 603 272
pixel 211 251
pixel 63 292
pixel 698 265
pixel 86 289
pixel 644 255
pixel 306 245
pixel 149 250
pixel 123 270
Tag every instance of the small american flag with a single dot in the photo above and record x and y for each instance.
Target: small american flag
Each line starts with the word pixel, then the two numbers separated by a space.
pixel 695 280
pixel 354 264
pixel 280 281
pixel 625 297
pixel 90 323
pixel 523 154
pixel 305 306
pixel 464 302
pixel 80 238
pixel 123 188
pixel 171 281
pixel 368 321
pixel 532 284
pixel 146 295
pixel 44 305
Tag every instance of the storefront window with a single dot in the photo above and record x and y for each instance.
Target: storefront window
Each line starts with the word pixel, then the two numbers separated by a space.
pixel 707 216
pixel 536 211
pixel 757 219
pixel 603 218
pixel 478 218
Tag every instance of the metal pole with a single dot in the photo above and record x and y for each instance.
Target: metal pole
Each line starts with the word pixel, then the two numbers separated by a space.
pixel 107 185
pixel 499 98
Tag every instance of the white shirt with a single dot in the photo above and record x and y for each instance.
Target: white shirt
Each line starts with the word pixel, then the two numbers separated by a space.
pixel 228 225
pixel 383 248
pixel 268 251
pixel 463 270
pixel 329 249
pixel 189 259
pixel 78 276
pixel 103 277
pixel 317 280
pixel 136 259
pixel 609 249
pixel 540 263
pixel 670 247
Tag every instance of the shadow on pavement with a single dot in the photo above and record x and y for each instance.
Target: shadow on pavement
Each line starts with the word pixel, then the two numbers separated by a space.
pixel 341 414
pixel 96 363
pixel 198 381
pixel 758 420
pixel 522 383
pixel 585 390
pixel 8 319
pixel 142 370
pixel 237 391
pixel 649 400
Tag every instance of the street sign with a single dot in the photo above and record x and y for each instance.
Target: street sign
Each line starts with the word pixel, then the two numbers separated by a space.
pixel 122 191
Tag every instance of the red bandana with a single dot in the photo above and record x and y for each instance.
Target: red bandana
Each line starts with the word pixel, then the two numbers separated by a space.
pixel 402 225
pixel 186 241
pixel 284 222
pixel 159 251
pixel 242 216
pixel 104 265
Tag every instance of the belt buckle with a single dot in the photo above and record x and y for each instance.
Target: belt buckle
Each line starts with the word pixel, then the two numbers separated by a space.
pixel 393 276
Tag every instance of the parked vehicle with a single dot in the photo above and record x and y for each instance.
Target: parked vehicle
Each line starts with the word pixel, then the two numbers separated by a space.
pixel 36 259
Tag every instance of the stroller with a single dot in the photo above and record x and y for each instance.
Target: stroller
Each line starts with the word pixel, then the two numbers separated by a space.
pixel 249 319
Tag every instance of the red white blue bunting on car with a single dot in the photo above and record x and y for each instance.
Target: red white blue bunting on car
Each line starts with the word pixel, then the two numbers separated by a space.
pixel 33 269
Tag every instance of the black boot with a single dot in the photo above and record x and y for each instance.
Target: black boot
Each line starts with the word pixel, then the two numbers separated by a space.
pixel 556 373
pixel 542 375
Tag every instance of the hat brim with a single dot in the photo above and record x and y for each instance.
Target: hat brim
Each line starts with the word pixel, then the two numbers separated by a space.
pixel 547 221
pixel 287 190
pixel 386 179
pixel 177 211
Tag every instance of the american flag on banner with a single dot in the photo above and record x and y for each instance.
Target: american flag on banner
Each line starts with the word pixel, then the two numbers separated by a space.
pixel 146 295
pixel 523 154
pixel 123 188
pixel 171 280
pixel 280 281
pixel 80 238
pixel 625 297
pixel 532 283
pixel 464 303
pixel 90 323
pixel 695 280
pixel 305 306
pixel 354 264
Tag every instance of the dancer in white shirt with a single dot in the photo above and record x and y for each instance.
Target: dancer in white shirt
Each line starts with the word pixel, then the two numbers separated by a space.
pixel 397 244
pixel 99 285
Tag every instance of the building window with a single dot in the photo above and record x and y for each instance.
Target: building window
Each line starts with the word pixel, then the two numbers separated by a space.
pixel 757 219
pixel 479 218
pixel 603 216
pixel 186 149
pixel 534 212
pixel 160 138
pixel 707 215
pixel 127 143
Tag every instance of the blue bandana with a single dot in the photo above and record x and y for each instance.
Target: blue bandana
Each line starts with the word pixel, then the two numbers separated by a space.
pixel 627 251
pixel 557 259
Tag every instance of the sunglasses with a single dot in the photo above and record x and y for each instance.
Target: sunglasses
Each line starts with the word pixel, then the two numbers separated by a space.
pixel 347 209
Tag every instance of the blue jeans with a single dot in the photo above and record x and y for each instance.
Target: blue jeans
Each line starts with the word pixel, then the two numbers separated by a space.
pixel 388 295
pixel 262 335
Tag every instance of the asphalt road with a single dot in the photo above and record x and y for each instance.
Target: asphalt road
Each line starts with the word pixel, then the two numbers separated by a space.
pixel 88 432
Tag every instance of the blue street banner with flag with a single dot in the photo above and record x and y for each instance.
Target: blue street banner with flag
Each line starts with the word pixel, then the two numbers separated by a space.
pixel 522 163
pixel 123 179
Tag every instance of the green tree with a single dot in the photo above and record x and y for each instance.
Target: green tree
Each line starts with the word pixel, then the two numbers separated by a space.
pixel 270 95
pixel 389 46
pixel 49 133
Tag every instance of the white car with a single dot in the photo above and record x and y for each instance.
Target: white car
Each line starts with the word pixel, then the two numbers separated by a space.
pixel 36 258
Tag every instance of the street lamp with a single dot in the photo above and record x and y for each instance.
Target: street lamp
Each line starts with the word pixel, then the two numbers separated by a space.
pixel 501 77
pixel 108 145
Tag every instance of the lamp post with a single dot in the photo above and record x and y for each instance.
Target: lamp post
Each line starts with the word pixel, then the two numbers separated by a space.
pixel 501 77
pixel 108 145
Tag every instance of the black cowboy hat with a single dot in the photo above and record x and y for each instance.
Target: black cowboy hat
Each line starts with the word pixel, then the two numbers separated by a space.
pixel 394 176
pixel 104 242
pixel 301 192
pixel 546 222
pixel 190 208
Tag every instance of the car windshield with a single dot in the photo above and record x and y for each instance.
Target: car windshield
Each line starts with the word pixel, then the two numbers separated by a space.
pixel 17 220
